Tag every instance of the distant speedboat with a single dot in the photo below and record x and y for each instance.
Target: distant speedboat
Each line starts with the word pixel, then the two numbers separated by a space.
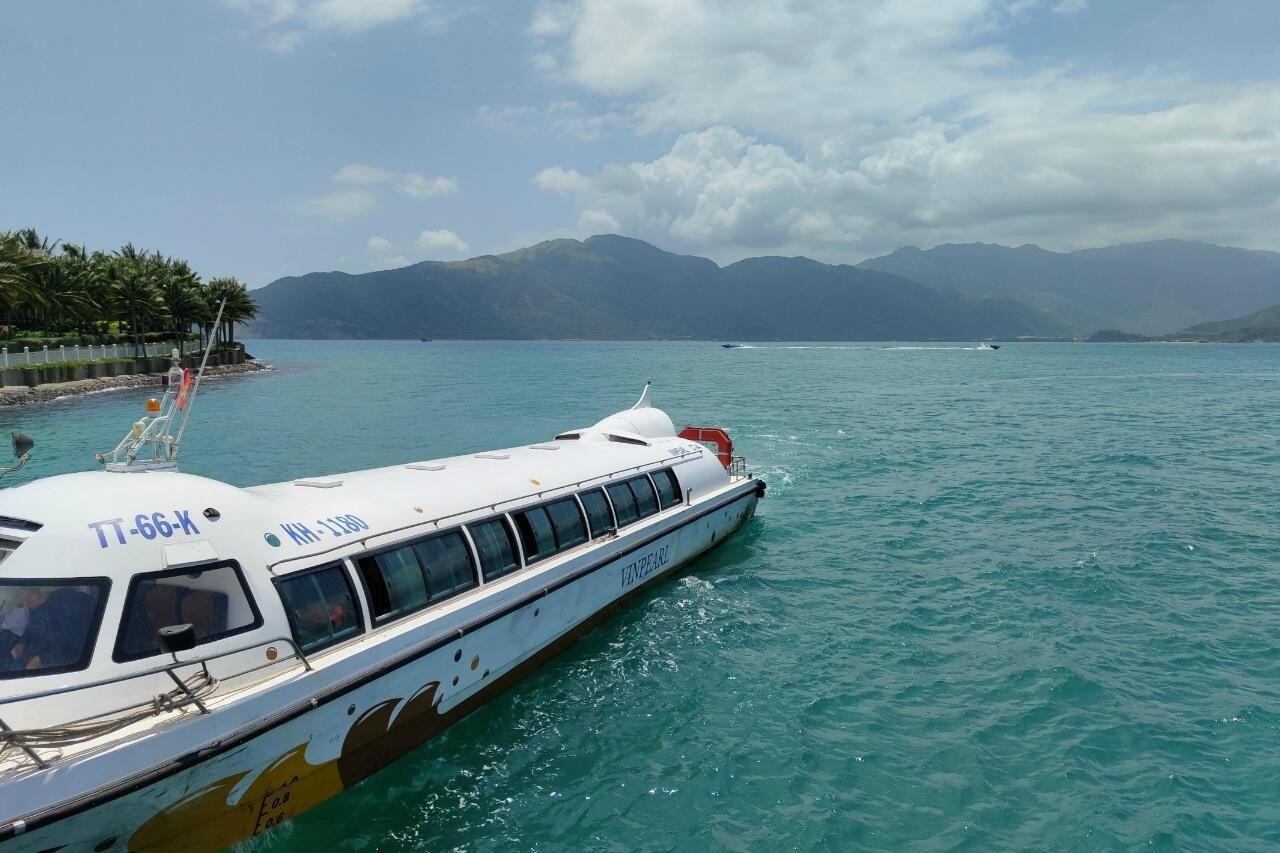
pixel 731 346
pixel 985 345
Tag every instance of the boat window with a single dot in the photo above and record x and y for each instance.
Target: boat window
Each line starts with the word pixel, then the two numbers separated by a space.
pixel 646 498
pixel 395 583
pixel 49 626
pixel 536 534
pixel 668 488
pixel 213 599
pixel 599 516
pixel 447 560
pixel 624 503
pixel 566 518
pixel 495 546
pixel 321 607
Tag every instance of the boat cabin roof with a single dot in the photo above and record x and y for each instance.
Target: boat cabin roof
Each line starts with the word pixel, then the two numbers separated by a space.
pixel 105 524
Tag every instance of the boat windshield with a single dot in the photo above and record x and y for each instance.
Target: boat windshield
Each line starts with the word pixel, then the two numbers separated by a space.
pixel 48 626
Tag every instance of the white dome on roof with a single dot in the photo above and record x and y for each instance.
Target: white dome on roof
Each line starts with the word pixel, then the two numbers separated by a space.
pixel 641 420
pixel 637 425
pixel 648 422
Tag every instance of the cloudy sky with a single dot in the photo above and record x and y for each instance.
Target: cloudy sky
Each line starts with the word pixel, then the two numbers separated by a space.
pixel 262 138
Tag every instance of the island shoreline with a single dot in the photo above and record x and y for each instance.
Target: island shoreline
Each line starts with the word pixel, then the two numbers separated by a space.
pixel 20 396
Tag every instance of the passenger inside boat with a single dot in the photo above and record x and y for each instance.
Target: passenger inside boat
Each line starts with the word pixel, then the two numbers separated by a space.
pixel 44 628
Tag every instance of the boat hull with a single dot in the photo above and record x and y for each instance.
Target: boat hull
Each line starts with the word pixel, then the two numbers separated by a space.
pixel 256 778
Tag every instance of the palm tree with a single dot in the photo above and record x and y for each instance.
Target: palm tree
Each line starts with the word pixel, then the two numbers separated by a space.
pixel 67 303
pixel 240 306
pixel 104 275
pixel 138 297
pixel 179 288
pixel 20 273
pixel 74 289
pixel 35 245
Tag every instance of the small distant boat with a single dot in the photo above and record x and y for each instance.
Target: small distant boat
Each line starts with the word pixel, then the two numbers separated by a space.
pixel 425 340
pixel 732 346
pixel 985 345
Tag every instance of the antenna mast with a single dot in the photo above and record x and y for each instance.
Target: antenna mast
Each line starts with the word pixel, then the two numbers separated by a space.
pixel 149 445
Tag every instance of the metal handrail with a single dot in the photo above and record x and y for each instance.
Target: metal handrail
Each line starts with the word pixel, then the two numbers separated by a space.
pixel 71 688
pixel 167 669
pixel 363 541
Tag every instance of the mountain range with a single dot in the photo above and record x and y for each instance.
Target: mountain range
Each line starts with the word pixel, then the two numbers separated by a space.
pixel 1152 288
pixel 616 287
pixel 613 287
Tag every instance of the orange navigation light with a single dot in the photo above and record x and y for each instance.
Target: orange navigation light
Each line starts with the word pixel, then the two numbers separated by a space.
pixel 153 406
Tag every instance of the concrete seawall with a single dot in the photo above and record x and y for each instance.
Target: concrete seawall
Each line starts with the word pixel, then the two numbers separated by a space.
pixel 26 395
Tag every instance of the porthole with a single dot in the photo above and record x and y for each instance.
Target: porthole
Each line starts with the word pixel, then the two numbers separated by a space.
pixel 457 656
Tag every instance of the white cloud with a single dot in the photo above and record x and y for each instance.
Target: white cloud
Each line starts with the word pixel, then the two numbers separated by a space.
pixel 359 15
pixel 340 204
pixel 359 173
pixel 845 127
pixel 553 18
pixel 411 184
pixel 597 222
pixel 381 254
pixel 563 117
pixel 283 41
pixel 561 180
pixel 1068 7
pixel 729 194
pixel 420 186
pixel 365 182
pixel 283 24
pixel 442 244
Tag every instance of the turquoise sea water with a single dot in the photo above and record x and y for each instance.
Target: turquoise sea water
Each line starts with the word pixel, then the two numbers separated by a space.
pixel 1022 599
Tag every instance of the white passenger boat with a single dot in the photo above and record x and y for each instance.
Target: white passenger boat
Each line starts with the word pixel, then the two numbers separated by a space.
pixel 185 664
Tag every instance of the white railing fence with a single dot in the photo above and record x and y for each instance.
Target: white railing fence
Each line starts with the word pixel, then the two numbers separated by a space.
pixel 14 357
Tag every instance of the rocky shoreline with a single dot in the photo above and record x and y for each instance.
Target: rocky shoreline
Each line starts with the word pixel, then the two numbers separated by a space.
pixel 23 396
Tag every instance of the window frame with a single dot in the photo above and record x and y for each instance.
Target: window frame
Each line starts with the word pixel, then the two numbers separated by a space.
pixel 373 554
pixel 582 519
pixel 674 481
pixel 616 518
pixel 513 536
pixel 473 562
pixel 653 493
pixel 538 557
pixel 341 566
pixel 608 504
pixel 92 637
pixel 117 653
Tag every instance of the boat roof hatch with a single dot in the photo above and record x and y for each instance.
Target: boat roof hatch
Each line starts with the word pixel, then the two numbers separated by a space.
pixel 179 554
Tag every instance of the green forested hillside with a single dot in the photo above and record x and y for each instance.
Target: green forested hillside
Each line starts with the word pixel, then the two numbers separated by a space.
pixel 616 287
pixel 1261 326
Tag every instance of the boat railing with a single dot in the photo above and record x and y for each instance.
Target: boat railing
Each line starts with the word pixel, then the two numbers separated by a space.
pixel 187 692
pixel 738 468
pixel 493 507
